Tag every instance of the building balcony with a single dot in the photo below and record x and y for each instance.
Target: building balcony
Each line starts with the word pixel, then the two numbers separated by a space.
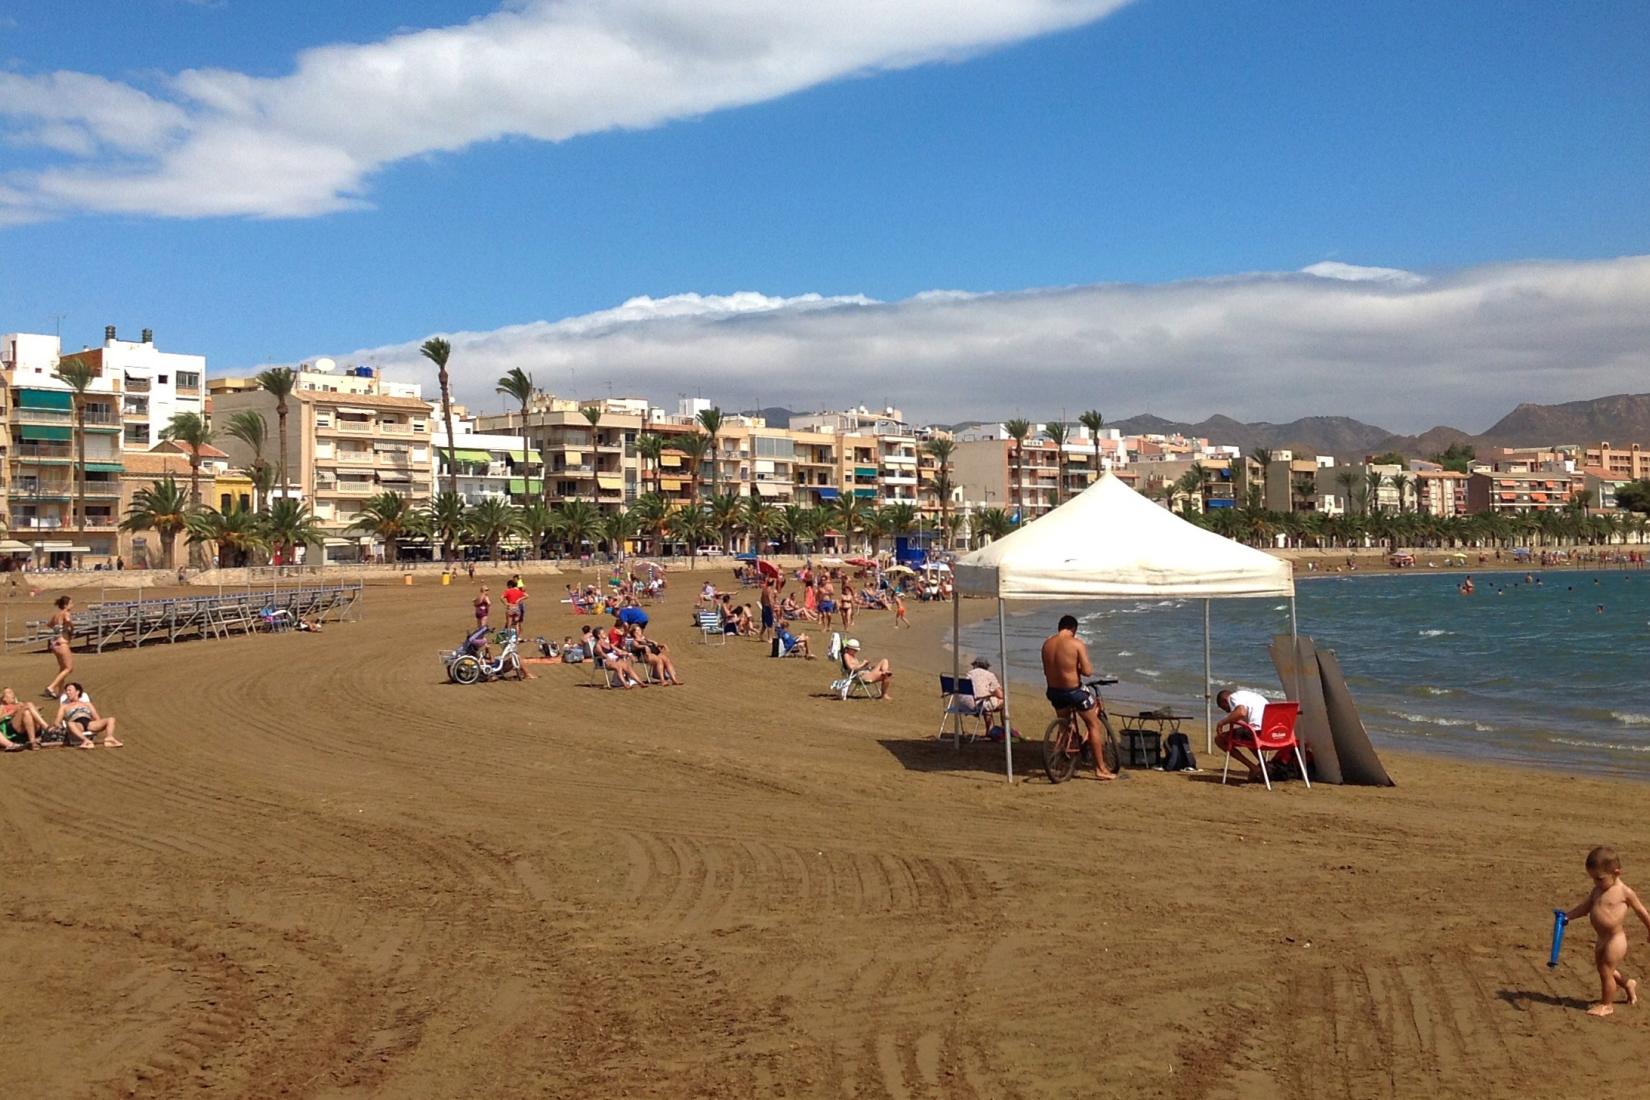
pixel 137 385
pixel 47 453
pixel 350 458
pixel 63 490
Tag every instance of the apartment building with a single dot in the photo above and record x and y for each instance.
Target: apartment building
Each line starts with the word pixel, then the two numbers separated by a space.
pixel 39 479
pixel 1438 492
pixel 1523 491
pixel 490 467
pixel 350 435
pixel 1618 464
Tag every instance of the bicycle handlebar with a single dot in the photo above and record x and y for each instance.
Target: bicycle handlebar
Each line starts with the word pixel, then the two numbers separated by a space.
pixel 1100 681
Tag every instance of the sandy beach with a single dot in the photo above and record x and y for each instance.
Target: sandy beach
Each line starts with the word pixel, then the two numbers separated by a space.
pixel 319 870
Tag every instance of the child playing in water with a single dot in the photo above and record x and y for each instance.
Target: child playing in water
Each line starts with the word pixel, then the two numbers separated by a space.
pixel 1607 908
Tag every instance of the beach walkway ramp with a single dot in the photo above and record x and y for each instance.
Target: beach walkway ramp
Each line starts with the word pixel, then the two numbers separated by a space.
pixel 1329 721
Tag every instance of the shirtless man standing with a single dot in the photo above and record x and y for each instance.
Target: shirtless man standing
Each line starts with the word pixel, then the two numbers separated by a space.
pixel 1065 663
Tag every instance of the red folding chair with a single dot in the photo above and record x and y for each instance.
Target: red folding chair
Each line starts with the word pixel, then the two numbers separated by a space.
pixel 1276 734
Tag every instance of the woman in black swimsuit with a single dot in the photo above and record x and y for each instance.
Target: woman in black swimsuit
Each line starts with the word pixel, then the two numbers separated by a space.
pixel 80 719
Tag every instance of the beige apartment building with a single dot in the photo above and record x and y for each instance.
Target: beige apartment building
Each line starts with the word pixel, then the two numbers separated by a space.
pixel 1630 463
pixel 1524 491
pixel 350 435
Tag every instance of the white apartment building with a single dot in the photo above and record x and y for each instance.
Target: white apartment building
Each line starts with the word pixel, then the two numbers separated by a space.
pixel 489 466
pixel 154 385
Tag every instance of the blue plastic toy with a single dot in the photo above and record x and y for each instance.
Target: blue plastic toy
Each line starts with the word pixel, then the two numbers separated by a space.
pixel 1559 921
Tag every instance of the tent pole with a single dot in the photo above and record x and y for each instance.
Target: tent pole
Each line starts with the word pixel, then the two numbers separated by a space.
pixel 1008 726
pixel 956 656
pixel 1208 685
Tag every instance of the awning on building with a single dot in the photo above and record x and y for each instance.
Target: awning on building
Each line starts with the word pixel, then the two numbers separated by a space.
pixel 670 461
pixel 828 494
pixel 45 399
pixel 33 433
pixel 357 412
pixel 610 481
pixel 670 484
pixel 573 458
pixel 518 485
pixel 769 489
pixel 865 493
pixel 469 456
pixel 12 546
pixel 105 468
pixel 865 471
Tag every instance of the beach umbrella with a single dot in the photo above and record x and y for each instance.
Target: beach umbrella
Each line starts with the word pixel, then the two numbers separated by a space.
pixel 768 569
pixel 900 569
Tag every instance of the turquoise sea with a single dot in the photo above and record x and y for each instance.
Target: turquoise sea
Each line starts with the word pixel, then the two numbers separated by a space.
pixel 1531 672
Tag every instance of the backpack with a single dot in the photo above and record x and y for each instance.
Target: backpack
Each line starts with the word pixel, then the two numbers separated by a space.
pixel 1177 754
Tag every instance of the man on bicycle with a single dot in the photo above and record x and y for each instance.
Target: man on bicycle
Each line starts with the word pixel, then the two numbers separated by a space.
pixel 1065 663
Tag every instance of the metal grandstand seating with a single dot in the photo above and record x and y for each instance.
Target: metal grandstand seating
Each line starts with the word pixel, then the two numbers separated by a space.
pixel 134 622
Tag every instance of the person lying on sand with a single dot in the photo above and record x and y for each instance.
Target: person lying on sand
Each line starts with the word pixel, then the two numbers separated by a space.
pixel 1607 908
pixel 80 719
pixel 21 724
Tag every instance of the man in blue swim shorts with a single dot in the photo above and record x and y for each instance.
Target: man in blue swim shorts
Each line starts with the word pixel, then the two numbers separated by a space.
pixel 1065 663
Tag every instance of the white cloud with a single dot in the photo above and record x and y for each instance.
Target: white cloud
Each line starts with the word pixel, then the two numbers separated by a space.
pixel 1459 348
pixel 218 142
pixel 1353 273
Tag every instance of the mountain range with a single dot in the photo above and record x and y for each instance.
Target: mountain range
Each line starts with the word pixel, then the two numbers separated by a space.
pixel 1621 419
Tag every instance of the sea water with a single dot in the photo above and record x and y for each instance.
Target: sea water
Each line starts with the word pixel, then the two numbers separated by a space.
pixel 1551 671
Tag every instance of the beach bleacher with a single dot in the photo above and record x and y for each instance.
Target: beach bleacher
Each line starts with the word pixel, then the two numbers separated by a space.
pixel 179 618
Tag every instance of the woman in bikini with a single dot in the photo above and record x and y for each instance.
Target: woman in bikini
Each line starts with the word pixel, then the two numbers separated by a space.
pixel 80 719
pixel 61 625
pixel 19 720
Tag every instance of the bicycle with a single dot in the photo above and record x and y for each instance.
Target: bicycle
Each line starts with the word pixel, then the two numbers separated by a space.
pixel 1063 742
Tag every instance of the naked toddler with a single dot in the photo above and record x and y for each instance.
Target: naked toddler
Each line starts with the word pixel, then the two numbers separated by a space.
pixel 1607 908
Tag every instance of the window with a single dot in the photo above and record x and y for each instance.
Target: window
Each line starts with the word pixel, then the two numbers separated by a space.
pixel 246 503
pixel 223 502
pixel 161 378
pixel 188 380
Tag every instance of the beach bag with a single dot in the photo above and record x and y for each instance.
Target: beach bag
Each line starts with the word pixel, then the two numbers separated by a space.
pixel 1177 754
pixel 573 655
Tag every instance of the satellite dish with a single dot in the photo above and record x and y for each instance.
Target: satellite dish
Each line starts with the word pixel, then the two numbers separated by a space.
pixel 324 364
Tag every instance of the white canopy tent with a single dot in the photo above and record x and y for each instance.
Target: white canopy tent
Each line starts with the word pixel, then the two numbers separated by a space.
pixel 1109 542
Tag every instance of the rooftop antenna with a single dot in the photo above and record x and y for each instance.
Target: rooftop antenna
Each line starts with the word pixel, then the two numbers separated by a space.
pixel 57 324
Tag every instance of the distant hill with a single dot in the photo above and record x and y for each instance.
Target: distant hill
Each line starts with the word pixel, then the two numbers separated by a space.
pixel 775 416
pixel 1324 435
pixel 1620 418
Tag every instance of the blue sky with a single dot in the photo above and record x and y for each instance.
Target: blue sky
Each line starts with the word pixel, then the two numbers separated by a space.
pixel 1164 141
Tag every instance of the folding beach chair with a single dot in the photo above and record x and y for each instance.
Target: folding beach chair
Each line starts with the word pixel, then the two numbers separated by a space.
pixel 851 684
pixel 960 706
pixel 710 626
pixel 1276 734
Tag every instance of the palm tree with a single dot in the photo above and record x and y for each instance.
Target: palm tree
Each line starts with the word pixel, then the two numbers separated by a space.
pixel 941 449
pixel 1372 490
pixel 695 445
pixel 388 516
pixel 237 534
pixel 1346 478
pixel 1400 481
pixel 518 384
pixel 761 520
pixel 446 522
pixel 901 517
pixel 193 432
pixel 162 508
pixel 691 524
pixel 438 351
pixel 993 523
pixel 1057 435
pixel 79 376
pixel 279 382
pixel 594 415
pixel 652 511
pixel 618 528
pixel 848 513
pixel 578 522
pixel 711 420
pixel 727 513
pixel 1017 430
pixel 650 447
pixel 1262 457
pixel 1093 421
pixel 249 427
pixel 491 522
pixel 538 519
pixel 289 524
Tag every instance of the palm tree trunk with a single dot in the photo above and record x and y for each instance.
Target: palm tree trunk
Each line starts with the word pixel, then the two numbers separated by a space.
pixel 280 418
pixel 526 460
pixel 195 500
pixel 447 419
pixel 80 475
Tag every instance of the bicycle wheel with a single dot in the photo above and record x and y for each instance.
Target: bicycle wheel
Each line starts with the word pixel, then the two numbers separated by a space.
pixel 1112 748
pixel 1059 750
pixel 465 670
